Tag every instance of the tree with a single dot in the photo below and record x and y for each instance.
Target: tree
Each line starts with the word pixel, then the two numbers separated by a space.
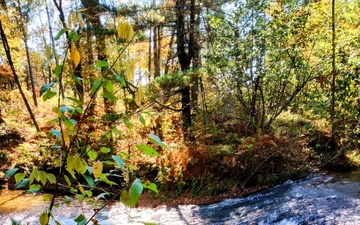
pixel 188 53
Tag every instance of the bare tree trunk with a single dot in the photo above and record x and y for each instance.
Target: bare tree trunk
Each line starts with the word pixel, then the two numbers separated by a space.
pixel 333 73
pixel 25 39
pixel 157 48
pixel 8 55
pixel 51 36
pixel 169 56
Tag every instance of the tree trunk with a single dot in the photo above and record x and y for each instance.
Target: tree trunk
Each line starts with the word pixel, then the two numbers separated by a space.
pixel 8 55
pixel 333 73
pixel 185 60
pixel 25 39
pixel 157 48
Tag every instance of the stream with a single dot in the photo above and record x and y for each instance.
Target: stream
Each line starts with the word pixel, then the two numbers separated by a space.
pixel 322 198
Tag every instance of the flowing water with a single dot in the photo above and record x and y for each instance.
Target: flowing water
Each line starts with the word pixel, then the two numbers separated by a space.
pixel 319 199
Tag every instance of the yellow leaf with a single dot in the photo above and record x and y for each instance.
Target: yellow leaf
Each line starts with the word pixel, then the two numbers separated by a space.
pixel 125 30
pixel 74 55
pixel 81 21
pixel 97 169
pixel 81 189
pixel 141 93
pixel 66 139
pixel 130 70
pixel 48 51
pixel 44 218
pixel 74 18
pixel 57 111
pixel 69 20
pixel 138 96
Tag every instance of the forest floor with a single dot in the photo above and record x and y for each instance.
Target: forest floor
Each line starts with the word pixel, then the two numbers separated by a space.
pixel 217 166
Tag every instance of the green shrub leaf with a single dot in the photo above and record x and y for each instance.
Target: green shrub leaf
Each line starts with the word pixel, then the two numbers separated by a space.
pixel 49 94
pixel 92 154
pixel 61 32
pixel 43 177
pixel 105 150
pixel 22 183
pixel 147 150
pixel 131 198
pixel 119 161
pixel 89 180
pixel 151 186
pixel 100 64
pixel 156 140
pixel 19 177
pixel 46 87
pixel 51 178
pixel 80 220
pixel 10 173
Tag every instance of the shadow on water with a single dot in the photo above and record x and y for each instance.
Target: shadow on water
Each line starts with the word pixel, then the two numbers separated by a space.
pixel 319 199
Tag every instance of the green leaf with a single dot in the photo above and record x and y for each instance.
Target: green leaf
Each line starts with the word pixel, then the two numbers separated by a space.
pixel 97 169
pixel 13 222
pixel 92 154
pixel 58 70
pixel 105 150
pixel 10 173
pixel 45 88
pixel 118 132
pixel 46 198
pixel 145 223
pixel 89 193
pixel 131 198
pixel 141 118
pixel 34 175
pixel 23 183
pixel 104 178
pixel 108 162
pixel 34 188
pixel 43 177
pixel 128 124
pixel 67 180
pixel 61 32
pixel 109 86
pixel 77 101
pixel 73 36
pixel 81 220
pixel 68 200
pixel 147 150
pixel 19 177
pixel 120 80
pixel 101 64
pixel 56 133
pixel 69 123
pixel 119 161
pixel 156 140
pixel 51 178
pixel 151 186
pixel 89 180
pixel 49 94
pixel 64 108
pixel 110 97
pixel 96 85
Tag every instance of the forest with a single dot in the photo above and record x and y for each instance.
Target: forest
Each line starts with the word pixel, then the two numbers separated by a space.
pixel 175 101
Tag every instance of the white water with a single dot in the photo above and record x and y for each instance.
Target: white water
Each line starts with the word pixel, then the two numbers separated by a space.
pixel 319 199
